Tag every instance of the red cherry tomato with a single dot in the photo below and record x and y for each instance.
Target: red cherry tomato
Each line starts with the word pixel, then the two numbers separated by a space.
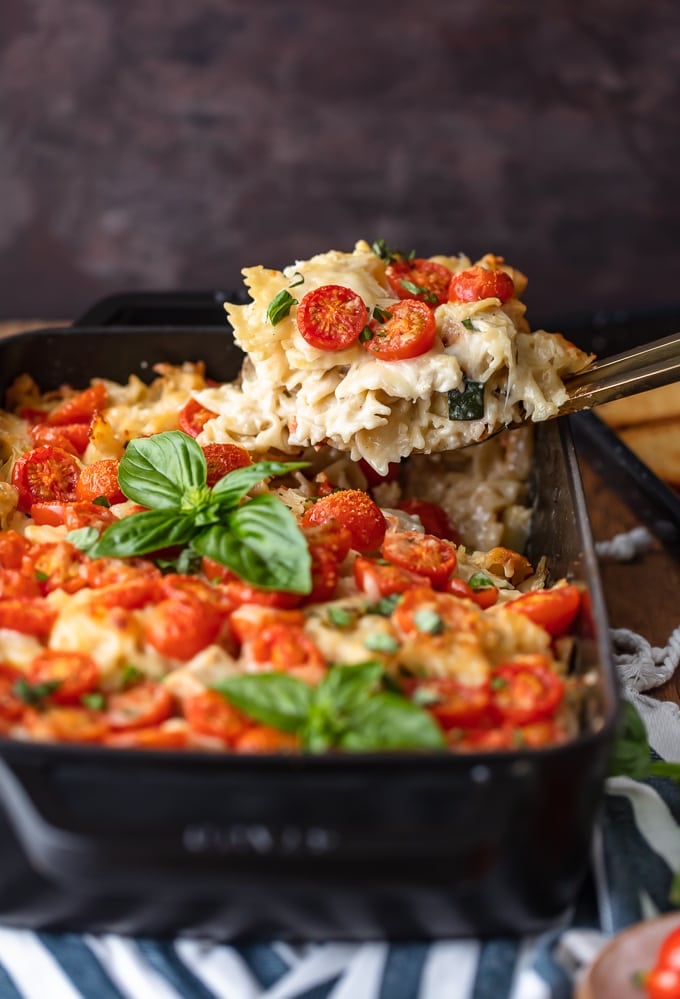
pixel 325 575
pixel 73 437
pixel 222 459
pixel 76 673
pixel 526 690
pixel 555 609
pixel 15 585
pixel 333 536
pixel 454 614
pixel 422 554
pixel 72 515
pixel 357 511
pixel 100 479
pixel 453 704
pixel 476 283
pixel 287 649
pixel 147 703
pixel 44 475
pixel 153 737
pixel 209 713
pixel 263 739
pixel 409 331
pixel 193 417
pixel 484 598
pixel 30 617
pixel 11 706
pixel 66 724
pixel 669 952
pixel 331 317
pixel 662 983
pixel 111 571
pixel 79 408
pixel 249 620
pixel 239 592
pixel 180 627
pixel 58 566
pixel 431 278
pixel 377 580
pixel 13 547
pixel 434 518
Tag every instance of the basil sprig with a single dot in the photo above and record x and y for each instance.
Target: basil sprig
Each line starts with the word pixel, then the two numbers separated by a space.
pixel 348 710
pixel 467 404
pixel 257 538
pixel 631 756
pixel 280 305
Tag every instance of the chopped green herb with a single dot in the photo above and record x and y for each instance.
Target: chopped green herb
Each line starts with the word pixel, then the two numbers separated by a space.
pixel 428 621
pixel 95 701
pixel 479 581
pixel 382 250
pixel 381 642
pixel 130 675
pixel 84 538
pixel 424 696
pixel 34 693
pixel 280 306
pixel 41 577
pixel 416 289
pixel 101 501
pixel 385 606
pixel 468 404
pixel 340 617
pixel 382 315
pixel 366 334
pixel 467 323
pixel 299 280
pixel 498 682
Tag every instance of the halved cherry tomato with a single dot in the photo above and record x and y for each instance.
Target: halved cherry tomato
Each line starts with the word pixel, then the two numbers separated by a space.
pixel 455 614
pixel 30 617
pixel 333 536
pixel 249 620
pixel 15 585
pixel 73 515
pixel 325 575
pixel 357 511
pixel 211 714
pixel 476 283
pixel 137 592
pixel 555 609
pixel 288 649
pixel 13 547
pixel 73 437
pixel 263 739
pixel 423 554
pixel 222 459
pixel 180 627
pixel 11 706
pixel 76 673
pixel 66 724
pixel 662 982
pixel 110 571
pixel 44 475
pixel 147 703
pixel 154 737
pixel 377 579
pixel 433 517
pixel 331 317
pixel 79 408
pixel 669 952
pixel 526 690
pixel 177 584
pixel 454 704
pixel 484 597
pixel 433 280
pixel 240 592
pixel 57 566
pixel 193 417
pixel 408 332
pixel 100 479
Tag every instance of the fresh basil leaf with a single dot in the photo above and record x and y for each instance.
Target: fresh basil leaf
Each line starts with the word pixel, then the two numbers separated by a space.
pixel 84 538
pixel 280 306
pixel 468 404
pixel 164 471
pixel 630 755
pixel 187 563
pixel 388 721
pixel 229 490
pixel 144 532
pixel 270 698
pixel 261 542
pixel 345 687
pixel 674 897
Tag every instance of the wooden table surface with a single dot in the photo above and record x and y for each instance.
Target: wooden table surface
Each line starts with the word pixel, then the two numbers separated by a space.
pixel 641 595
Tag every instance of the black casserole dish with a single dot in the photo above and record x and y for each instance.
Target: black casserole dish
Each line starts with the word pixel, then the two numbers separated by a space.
pixel 353 846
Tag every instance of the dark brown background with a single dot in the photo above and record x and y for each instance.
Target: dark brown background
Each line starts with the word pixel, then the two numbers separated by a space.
pixel 167 143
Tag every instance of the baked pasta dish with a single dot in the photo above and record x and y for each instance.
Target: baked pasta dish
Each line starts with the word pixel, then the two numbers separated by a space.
pixel 250 567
